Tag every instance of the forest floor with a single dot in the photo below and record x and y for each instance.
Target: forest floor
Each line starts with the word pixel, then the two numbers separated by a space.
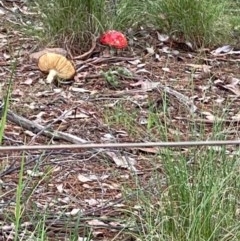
pixel 152 91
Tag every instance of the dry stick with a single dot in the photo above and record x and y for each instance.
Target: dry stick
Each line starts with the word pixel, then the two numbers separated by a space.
pixel 36 128
pixel 186 101
pixel 183 99
pixel 12 168
pixel 122 145
pixel 86 63
pixel 112 59
pixel 222 59
pixel 48 126
pixel 85 55
pixel 179 96
pixel 227 121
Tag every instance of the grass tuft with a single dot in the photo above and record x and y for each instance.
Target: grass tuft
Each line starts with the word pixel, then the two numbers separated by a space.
pixel 6 100
pixel 200 22
pixel 197 199
pixel 72 23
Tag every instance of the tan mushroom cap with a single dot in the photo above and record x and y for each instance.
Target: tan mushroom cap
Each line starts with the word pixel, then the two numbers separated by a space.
pixel 56 65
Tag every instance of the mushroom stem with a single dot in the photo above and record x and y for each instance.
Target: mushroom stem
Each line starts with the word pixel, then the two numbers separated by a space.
pixel 52 74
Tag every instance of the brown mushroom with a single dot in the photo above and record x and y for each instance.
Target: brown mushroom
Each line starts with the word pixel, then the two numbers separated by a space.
pixel 56 65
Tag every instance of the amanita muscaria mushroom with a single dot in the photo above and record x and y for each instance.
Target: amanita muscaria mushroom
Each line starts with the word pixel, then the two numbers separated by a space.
pixel 56 65
pixel 114 39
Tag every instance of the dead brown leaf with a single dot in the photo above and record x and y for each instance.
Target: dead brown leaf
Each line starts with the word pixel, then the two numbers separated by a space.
pixel 35 56
pixel 146 85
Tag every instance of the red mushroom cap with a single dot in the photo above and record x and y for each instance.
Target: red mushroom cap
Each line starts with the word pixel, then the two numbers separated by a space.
pixel 114 39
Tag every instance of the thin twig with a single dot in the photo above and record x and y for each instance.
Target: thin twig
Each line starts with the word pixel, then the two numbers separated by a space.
pixel 12 168
pixel 122 145
pixel 100 60
pixel 61 117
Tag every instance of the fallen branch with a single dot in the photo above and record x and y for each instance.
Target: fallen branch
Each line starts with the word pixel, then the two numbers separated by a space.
pixel 85 55
pixel 183 99
pixel 36 128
